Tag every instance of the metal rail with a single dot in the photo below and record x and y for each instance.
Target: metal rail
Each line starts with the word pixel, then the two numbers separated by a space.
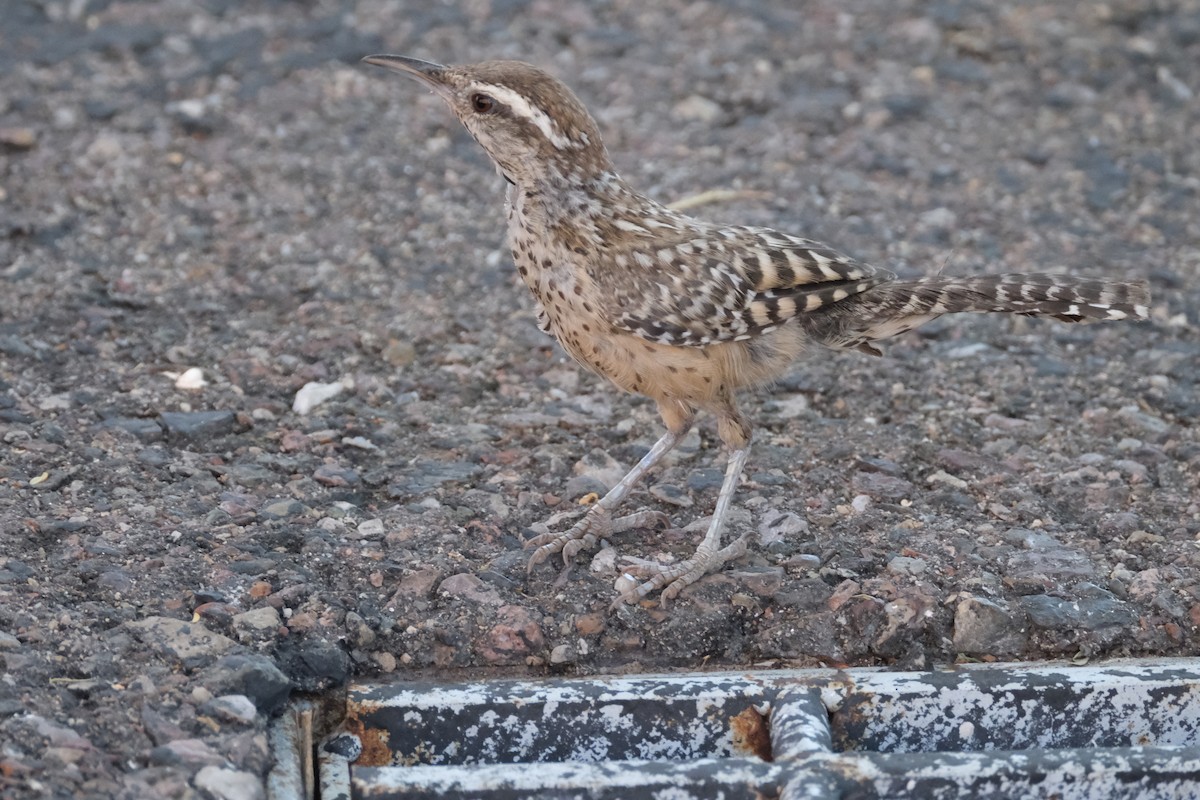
pixel 1119 730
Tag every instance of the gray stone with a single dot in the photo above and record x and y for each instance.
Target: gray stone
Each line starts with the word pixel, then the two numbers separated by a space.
pixel 231 708
pixel 336 476
pixel 563 654
pixel 703 479
pixel 158 727
pixel 313 664
pixel 1056 564
pixel 282 509
pixel 371 529
pixel 255 676
pixel 759 581
pixel 360 632
pixel 190 644
pixel 1108 181
pixel 11 345
pixel 470 587
pixel 906 565
pixel 146 430
pixel 983 627
pixel 118 580
pixel 601 467
pixel 1088 613
pixel 426 475
pixel 252 566
pixel 1149 425
pixel 1120 523
pixel 197 425
pixel 881 485
pixel 185 752
pixel 779 526
pixel 154 456
pixel 250 476
pixel 257 621
pixel 670 493
pixel 56 735
pixel 876 464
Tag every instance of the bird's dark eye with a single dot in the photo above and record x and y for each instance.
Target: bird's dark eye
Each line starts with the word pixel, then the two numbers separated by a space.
pixel 482 103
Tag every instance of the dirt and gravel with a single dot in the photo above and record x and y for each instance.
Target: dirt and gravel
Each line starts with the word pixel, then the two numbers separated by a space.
pixel 207 206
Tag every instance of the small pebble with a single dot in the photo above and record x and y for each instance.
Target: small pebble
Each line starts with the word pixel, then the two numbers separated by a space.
pixel 905 565
pixel 563 654
pixel 229 784
pixel 314 394
pixel 469 587
pixel 231 708
pixel 257 620
pixel 372 528
pixel 192 379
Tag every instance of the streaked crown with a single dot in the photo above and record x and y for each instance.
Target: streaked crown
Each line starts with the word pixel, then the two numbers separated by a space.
pixel 529 122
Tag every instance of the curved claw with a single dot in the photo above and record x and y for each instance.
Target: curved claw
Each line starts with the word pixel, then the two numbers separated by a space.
pixel 586 534
pixel 674 578
pixel 544 551
pixel 576 546
pixel 649 519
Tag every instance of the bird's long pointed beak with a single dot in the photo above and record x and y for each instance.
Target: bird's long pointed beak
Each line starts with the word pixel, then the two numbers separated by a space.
pixel 428 73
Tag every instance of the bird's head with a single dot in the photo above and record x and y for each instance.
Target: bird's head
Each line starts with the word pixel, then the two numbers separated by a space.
pixel 529 122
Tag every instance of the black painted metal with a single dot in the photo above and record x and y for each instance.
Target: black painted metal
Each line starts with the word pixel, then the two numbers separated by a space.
pixel 1122 730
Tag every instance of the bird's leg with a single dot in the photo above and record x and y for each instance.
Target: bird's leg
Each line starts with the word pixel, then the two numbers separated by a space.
pixel 709 556
pixel 598 523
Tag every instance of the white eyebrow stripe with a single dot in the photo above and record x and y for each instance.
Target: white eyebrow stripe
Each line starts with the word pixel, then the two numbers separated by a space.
pixel 521 106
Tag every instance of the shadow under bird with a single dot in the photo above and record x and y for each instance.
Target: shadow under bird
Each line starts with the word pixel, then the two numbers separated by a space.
pixel 684 311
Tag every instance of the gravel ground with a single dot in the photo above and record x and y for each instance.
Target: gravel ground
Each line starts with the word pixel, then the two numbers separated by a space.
pixel 205 206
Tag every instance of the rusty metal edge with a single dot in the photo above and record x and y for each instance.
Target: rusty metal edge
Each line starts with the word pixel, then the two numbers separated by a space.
pixel 831 683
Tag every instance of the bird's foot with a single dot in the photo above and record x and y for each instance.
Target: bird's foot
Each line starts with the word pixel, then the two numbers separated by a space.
pixel 672 578
pixel 586 534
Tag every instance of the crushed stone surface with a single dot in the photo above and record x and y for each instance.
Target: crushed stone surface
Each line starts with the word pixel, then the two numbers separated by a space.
pixel 207 207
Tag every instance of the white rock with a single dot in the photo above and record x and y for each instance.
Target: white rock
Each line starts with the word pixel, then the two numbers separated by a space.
pixel 791 407
pixel 968 350
pixel 941 476
pixel 192 378
pixel 940 218
pixel 313 394
pixel 698 108
pixel 55 402
pixel 191 107
pixel 604 562
pixel 625 583
pixel 229 784
pixel 371 528
pixel 235 708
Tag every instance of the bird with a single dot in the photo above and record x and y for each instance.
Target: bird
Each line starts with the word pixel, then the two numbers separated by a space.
pixel 687 312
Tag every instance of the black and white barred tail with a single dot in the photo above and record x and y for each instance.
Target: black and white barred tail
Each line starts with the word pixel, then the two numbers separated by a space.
pixel 895 307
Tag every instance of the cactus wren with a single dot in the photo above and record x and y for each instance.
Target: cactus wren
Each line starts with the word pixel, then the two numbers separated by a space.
pixel 684 311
